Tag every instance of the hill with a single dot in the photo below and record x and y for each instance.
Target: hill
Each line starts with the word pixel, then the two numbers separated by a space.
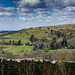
pixel 48 39
pixel 40 31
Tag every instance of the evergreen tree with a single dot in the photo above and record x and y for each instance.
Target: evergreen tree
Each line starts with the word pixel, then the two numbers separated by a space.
pixel 51 30
pixel 52 45
pixel 41 46
pixel 10 42
pixel 58 34
pixel 19 42
pixel 13 42
pixel 54 39
pixel 32 38
pixel 64 42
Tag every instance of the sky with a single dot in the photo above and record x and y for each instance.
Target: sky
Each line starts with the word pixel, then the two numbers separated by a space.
pixel 19 14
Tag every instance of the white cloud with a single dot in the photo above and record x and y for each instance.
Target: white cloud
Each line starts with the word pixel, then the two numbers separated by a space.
pixel 22 10
pixel 22 18
pixel 6 14
pixel 5 19
pixel 69 8
pixel 28 2
pixel 10 9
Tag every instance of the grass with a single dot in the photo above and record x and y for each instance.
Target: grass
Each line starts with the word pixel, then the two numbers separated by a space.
pixel 22 40
pixel 63 49
pixel 17 50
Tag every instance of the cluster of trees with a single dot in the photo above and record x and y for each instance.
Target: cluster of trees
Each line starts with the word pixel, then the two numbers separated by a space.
pixel 54 44
pixel 11 42
pixel 38 47
pixel 15 42
pixel 57 33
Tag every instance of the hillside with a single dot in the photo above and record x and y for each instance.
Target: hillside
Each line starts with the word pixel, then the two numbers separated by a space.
pixel 25 34
pixel 43 35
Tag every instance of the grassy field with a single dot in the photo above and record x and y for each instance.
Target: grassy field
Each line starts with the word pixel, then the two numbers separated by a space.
pixel 17 50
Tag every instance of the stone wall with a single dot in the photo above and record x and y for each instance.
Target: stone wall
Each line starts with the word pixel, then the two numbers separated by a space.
pixel 31 67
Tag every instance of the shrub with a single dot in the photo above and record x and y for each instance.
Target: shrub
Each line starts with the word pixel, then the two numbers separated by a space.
pixel 70 47
pixel 3 52
pixel 20 32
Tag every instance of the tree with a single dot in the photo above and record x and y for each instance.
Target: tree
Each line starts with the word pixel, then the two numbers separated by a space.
pixel 51 30
pixel 10 42
pixel 35 47
pixel 70 35
pixel 32 38
pixel 52 45
pixel 19 42
pixel 59 34
pixel 41 46
pixel 54 39
pixel 13 42
pixel 64 42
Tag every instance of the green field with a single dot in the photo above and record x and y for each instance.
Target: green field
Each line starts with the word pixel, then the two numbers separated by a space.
pixel 17 50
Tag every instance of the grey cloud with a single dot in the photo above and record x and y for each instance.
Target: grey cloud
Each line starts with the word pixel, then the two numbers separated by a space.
pixel 59 3
pixel 70 9
pixel 30 3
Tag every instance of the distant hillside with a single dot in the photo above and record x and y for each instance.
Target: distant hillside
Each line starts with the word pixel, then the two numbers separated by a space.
pixel 38 42
pixel 39 32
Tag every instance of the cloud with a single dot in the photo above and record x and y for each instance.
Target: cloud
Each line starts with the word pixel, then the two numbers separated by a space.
pixel 28 3
pixel 22 18
pixel 59 3
pixel 8 9
pixel 24 10
pixel 70 9
pixel 40 12
pixel 45 4
pixel 6 14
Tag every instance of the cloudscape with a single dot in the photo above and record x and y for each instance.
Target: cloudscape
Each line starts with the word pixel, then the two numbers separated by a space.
pixel 19 14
